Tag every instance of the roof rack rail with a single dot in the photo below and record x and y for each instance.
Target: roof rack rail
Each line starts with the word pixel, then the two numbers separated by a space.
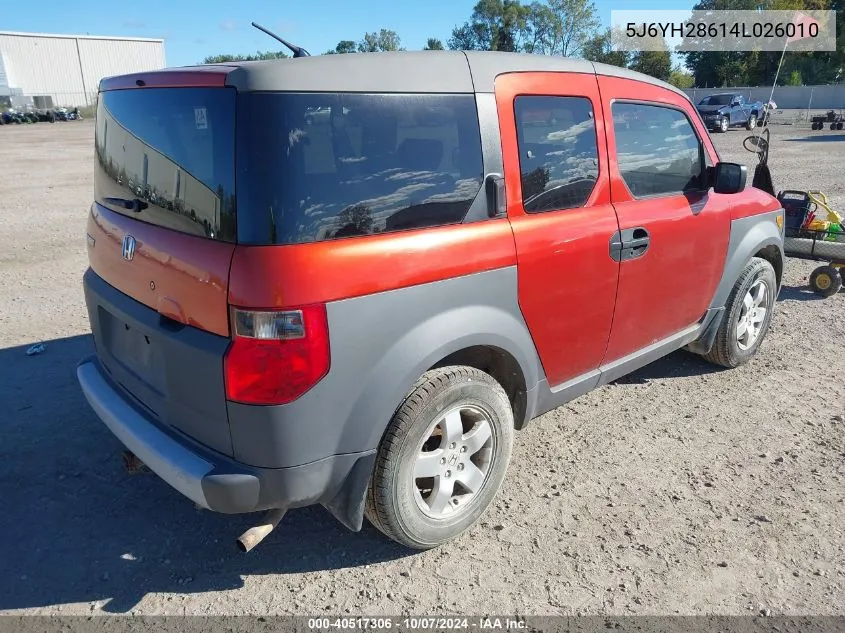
pixel 298 51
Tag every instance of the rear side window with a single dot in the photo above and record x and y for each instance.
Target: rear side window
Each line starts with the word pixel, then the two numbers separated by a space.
pixel 322 166
pixel 166 156
pixel 657 149
pixel 558 156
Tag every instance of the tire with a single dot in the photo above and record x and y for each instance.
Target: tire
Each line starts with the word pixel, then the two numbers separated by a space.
pixel 839 125
pixel 396 502
pixel 724 124
pixel 826 281
pixel 833 126
pixel 729 350
pixel 751 123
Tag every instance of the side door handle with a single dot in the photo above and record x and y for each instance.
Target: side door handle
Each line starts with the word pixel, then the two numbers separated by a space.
pixel 629 244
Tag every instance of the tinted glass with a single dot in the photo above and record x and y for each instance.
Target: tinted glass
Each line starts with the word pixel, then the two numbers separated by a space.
pixel 716 100
pixel 558 157
pixel 657 149
pixel 322 166
pixel 166 156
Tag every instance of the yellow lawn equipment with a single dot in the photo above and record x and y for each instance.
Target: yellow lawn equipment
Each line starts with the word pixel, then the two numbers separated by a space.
pixel 815 231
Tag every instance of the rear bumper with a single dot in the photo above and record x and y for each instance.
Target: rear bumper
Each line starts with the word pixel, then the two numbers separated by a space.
pixel 212 480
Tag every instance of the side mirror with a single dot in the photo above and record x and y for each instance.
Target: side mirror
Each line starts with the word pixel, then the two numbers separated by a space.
pixel 729 177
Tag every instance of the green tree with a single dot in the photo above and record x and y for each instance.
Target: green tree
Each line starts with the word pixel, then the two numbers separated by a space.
pixel 681 79
pixel 561 27
pixel 343 46
pixel 655 63
pixel 218 59
pixel 383 41
pixel 433 44
pixel 598 49
pixel 794 79
pixel 495 25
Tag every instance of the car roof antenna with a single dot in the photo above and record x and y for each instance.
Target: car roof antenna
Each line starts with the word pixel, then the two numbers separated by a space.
pixel 298 51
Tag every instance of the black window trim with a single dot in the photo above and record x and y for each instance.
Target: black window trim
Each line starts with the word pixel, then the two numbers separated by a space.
pixel 519 152
pixel 703 157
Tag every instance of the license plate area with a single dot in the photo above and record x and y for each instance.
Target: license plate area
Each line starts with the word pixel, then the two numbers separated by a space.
pixel 134 348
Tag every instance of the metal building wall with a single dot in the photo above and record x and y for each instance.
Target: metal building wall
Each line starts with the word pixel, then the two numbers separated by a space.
pixel 69 67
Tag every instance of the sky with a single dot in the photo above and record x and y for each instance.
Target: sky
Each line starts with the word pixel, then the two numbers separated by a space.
pixel 193 30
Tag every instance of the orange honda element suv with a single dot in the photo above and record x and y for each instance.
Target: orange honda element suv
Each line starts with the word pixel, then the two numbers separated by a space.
pixel 347 280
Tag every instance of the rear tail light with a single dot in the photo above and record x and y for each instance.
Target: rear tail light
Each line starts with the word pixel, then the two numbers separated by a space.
pixel 275 357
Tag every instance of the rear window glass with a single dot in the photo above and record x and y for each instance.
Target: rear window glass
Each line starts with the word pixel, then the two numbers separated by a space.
pixel 167 156
pixel 323 166
pixel 558 154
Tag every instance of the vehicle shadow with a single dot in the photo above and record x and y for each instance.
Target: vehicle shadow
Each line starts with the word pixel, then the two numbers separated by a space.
pixel 798 293
pixel 678 364
pixel 77 528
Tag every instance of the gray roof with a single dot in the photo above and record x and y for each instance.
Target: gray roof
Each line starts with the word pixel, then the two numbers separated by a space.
pixel 409 71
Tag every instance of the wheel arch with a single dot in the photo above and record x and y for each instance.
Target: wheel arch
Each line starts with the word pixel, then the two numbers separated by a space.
pixel 752 236
pixel 486 337
pixel 772 254
pixel 503 367
pixel 481 336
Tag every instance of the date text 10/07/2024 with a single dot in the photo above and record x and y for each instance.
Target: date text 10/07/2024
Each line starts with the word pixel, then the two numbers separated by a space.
pixel 407 623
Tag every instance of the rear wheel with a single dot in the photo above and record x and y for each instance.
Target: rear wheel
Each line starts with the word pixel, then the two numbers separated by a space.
pixel 442 459
pixel 751 123
pixel 826 281
pixel 748 313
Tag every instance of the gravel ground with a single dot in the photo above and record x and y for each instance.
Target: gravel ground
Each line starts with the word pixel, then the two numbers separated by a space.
pixel 678 490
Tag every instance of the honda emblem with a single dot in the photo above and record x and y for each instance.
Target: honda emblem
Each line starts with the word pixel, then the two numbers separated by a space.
pixel 128 247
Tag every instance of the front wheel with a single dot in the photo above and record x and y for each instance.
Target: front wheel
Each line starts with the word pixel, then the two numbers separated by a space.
pixel 442 459
pixel 751 123
pixel 748 313
pixel 724 124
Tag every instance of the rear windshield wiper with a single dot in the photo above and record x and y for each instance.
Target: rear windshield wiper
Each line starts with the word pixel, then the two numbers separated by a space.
pixel 134 204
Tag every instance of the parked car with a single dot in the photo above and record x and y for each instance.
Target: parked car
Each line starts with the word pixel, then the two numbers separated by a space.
pixel 362 314
pixel 730 109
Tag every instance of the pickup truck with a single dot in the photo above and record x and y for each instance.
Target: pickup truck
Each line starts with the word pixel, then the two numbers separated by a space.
pixel 729 109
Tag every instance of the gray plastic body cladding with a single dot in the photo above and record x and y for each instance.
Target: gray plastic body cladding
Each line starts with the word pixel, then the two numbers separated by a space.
pixel 550 398
pixel 380 345
pixel 191 395
pixel 748 236
pixel 419 71
pixel 215 481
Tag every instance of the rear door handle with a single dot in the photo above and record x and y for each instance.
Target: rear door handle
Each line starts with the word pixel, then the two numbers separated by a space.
pixel 629 244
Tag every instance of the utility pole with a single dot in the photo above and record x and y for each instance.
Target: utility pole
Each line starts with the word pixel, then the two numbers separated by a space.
pixel 81 71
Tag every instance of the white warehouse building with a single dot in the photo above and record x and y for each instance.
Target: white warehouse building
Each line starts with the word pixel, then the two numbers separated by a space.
pixel 67 69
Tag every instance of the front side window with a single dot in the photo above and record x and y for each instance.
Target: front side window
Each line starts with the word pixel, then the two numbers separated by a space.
pixel 657 149
pixel 558 155
pixel 322 166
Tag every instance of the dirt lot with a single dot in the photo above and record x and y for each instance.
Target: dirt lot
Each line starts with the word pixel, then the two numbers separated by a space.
pixel 678 490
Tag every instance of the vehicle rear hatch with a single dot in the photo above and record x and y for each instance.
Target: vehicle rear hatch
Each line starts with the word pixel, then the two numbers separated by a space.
pixel 161 235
